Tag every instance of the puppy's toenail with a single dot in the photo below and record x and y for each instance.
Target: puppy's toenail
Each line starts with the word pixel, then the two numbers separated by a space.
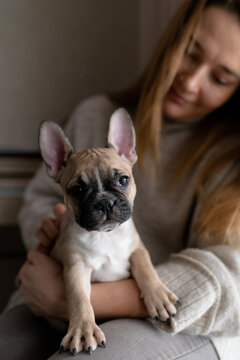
pixel 74 351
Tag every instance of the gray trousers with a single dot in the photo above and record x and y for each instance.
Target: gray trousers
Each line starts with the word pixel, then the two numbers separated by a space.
pixel 26 337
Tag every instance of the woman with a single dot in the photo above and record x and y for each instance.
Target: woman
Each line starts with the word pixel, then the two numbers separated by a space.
pixel 187 207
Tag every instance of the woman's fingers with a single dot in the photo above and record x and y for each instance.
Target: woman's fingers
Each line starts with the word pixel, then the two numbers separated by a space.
pixel 48 232
pixel 50 228
pixel 44 240
pixel 58 210
pixel 32 256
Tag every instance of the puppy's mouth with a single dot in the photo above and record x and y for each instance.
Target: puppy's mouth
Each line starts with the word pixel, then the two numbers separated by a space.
pixel 101 222
pixel 107 225
pixel 104 215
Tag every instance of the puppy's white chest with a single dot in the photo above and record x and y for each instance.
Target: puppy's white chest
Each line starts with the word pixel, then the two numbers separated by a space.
pixel 108 267
pixel 106 253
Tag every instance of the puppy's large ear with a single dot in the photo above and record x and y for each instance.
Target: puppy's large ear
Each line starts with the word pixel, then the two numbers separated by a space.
pixel 121 135
pixel 55 148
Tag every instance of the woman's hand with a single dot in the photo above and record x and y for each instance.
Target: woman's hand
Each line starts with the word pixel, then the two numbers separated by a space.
pixel 48 232
pixel 41 280
pixel 42 286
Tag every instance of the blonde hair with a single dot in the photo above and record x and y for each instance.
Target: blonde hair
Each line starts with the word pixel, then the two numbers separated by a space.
pixel 220 218
pixel 159 76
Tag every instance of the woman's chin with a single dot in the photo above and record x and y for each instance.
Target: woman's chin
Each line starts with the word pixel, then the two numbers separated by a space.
pixel 178 112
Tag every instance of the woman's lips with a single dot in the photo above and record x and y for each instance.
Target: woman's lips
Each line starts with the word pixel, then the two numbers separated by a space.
pixel 174 95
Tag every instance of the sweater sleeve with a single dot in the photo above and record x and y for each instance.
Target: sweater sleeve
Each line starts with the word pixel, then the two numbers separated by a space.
pixel 205 279
pixel 87 127
pixel 207 284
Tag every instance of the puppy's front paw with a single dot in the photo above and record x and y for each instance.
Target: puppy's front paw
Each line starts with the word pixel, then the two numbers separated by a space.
pixel 83 335
pixel 160 301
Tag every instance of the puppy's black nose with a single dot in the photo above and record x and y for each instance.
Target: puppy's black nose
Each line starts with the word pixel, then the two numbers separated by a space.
pixel 105 205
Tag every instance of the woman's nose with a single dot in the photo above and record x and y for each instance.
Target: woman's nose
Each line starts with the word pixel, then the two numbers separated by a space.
pixel 192 80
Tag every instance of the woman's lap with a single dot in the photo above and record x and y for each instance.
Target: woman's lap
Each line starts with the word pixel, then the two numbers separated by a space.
pixel 25 337
pixel 133 339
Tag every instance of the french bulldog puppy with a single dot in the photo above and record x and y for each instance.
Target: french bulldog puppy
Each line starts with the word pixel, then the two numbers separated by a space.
pixel 98 241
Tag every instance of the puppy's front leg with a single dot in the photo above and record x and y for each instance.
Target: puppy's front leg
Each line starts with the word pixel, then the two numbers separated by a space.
pixel 159 300
pixel 83 333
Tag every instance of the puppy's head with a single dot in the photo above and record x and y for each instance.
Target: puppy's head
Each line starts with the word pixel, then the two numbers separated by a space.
pixel 98 184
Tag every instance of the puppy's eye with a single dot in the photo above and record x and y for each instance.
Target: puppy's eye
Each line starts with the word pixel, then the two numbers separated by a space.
pixel 124 180
pixel 77 191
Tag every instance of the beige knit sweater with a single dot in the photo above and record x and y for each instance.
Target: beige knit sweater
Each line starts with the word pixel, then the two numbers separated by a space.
pixel 207 280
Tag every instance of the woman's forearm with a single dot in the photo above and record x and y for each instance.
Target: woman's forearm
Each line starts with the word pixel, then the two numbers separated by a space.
pixel 117 299
pixel 111 300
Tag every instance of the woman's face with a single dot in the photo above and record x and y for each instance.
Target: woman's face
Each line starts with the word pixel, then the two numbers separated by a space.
pixel 210 71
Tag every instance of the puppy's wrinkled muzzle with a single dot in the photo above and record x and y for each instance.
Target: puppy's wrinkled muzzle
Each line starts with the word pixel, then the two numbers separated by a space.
pixel 107 221
pixel 105 206
pixel 104 214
